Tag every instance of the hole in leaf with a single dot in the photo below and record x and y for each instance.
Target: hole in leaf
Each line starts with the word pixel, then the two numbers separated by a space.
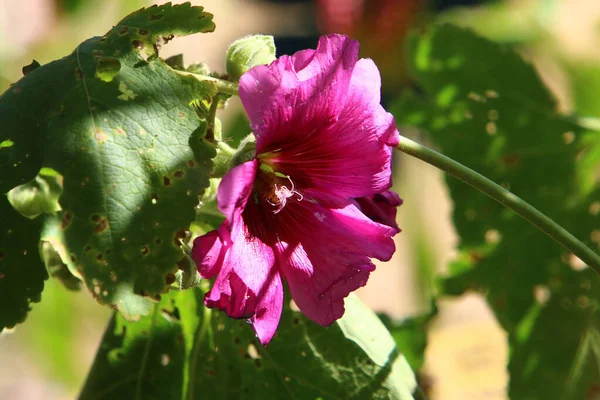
pixel 154 198
pixel 253 351
pixel 576 263
pixel 492 236
pixel 541 294
pixel 165 360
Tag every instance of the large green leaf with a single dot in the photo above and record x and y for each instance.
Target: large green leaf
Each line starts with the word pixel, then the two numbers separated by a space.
pixel 487 108
pixel 205 354
pixel 115 121
pixel 22 272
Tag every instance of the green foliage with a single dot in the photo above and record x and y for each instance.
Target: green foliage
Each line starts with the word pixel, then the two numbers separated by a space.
pixel 187 351
pixel 488 109
pixel 114 120
pixel 22 272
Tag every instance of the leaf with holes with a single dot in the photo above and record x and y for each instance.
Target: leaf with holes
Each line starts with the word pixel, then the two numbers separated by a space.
pixel 22 272
pixel 213 356
pixel 115 121
pixel 488 109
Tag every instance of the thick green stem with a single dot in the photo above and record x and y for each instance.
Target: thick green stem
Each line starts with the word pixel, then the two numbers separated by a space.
pixel 226 87
pixel 504 197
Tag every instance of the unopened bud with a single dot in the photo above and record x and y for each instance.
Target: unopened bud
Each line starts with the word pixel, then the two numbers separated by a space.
pixel 248 52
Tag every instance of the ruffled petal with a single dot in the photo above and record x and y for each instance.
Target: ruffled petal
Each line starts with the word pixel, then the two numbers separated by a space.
pixel 324 255
pixel 317 118
pixel 249 284
pixel 381 208
pixel 296 94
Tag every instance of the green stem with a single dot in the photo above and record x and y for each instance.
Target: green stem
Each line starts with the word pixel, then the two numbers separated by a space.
pixel 223 86
pixel 504 197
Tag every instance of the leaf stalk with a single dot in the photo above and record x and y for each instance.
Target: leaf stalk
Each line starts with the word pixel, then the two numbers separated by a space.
pixel 504 197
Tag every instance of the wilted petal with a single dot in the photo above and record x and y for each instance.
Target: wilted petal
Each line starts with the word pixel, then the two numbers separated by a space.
pixel 324 255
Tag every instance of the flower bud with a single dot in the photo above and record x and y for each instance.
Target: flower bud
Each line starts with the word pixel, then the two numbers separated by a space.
pixel 248 52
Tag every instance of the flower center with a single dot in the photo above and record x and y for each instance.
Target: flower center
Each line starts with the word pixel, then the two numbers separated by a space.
pixel 275 188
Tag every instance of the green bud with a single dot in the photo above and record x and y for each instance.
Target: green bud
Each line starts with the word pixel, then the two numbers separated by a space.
pixel 249 52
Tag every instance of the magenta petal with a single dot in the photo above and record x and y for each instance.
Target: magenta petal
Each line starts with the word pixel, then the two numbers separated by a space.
pixel 235 188
pixel 324 255
pixel 381 207
pixel 317 118
pixel 209 251
pixel 249 284
pixel 295 92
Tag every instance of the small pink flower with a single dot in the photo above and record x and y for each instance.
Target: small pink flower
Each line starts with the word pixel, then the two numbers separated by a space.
pixel 322 141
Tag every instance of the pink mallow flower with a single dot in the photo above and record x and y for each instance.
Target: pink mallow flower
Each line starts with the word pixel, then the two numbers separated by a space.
pixel 322 141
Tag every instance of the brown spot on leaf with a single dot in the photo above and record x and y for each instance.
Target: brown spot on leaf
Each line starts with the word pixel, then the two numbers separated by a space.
pixel 142 32
pixel 123 30
pixel 1 255
pixel 66 220
pixel 179 174
pixel 99 257
pixel 166 181
pixel 155 17
pixel 101 226
pixel 510 160
pixel 78 74
pixel 87 248
pixel 59 110
pixel 100 136
pixel 191 163
pixel 145 250
pixel 73 258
